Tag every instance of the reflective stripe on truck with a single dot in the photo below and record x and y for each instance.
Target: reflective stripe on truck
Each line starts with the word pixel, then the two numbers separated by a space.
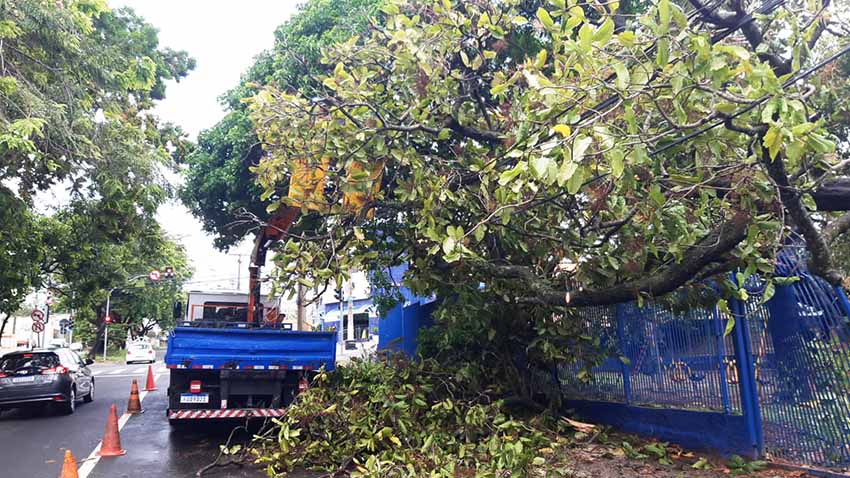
pixel 233 413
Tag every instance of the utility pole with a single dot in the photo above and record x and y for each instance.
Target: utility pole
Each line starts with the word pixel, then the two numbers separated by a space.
pixel 350 310
pixel 239 270
pixel 300 323
pixel 106 320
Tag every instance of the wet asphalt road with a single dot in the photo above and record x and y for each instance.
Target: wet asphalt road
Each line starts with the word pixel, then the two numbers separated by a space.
pixel 32 443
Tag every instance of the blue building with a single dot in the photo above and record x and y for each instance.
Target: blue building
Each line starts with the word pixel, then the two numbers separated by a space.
pixel 397 329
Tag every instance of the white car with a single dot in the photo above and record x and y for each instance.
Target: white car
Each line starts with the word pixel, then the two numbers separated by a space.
pixel 140 352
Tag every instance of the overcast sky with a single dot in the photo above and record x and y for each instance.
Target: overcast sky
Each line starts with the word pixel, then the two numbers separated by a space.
pixel 223 36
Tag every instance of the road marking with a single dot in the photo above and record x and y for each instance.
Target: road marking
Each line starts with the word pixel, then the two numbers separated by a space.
pixel 126 375
pixel 117 371
pixel 91 461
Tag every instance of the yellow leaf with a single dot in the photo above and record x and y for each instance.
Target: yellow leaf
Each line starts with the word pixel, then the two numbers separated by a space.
pixel 563 130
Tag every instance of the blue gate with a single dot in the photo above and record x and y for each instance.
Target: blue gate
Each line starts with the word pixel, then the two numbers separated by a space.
pixel 778 385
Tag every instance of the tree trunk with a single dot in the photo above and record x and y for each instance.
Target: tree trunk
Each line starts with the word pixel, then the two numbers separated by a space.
pixel 3 326
pixel 97 344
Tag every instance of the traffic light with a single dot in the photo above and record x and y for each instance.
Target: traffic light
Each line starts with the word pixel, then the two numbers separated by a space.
pixel 169 272
pixel 108 319
pixel 338 295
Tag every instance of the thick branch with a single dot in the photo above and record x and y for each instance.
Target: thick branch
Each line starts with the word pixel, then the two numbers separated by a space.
pixel 833 195
pixel 820 262
pixel 837 228
pixel 709 250
pixel 484 136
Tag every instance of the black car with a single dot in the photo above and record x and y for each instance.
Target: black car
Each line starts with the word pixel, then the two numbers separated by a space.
pixel 57 377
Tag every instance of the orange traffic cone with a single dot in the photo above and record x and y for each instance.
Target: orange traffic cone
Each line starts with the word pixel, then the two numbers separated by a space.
pixel 150 386
pixel 111 444
pixel 134 406
pixel 69 466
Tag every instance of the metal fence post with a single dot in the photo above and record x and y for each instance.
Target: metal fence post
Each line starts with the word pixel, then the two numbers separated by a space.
pixel 746 377
pixel 842 299
pixel 721 355
pixel 621 348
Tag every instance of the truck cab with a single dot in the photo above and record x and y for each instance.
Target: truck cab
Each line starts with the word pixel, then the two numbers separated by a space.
pixel 225 363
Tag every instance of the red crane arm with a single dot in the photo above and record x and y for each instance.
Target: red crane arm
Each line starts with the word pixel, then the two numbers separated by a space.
pixel 275 229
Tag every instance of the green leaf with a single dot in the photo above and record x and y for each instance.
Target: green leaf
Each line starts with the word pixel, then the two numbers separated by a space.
pixel 736 51
pixel 566 171
pixel 509 175
pixel 540 60
pixel 585 38
pixel 617 163
pixel 392 9
pixel 773 141
pixel 662 56
pixel 449 245
pixel 603 34
pixel 540 167
pixel 627 38
pixel 730 324
pixel 545 18
pixel 769 291
pixel 663 16
pixel 623 78
pixel 580 146
pixel 576 181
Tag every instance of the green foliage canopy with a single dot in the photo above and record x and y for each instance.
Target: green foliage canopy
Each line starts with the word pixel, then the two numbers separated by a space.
pixel 562 159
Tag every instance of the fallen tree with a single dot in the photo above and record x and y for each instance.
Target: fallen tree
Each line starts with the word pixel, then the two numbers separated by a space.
pixel 565 155
pixel 405 419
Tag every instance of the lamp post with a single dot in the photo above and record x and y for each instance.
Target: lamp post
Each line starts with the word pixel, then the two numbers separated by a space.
pixel 106 320
pixel 153 275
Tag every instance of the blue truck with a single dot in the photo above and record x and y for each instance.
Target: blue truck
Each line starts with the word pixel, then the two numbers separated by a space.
pixel 224 366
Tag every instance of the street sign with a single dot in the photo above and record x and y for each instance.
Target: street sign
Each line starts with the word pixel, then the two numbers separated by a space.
pixel 37 315
pixel 37 326
pixel 154 275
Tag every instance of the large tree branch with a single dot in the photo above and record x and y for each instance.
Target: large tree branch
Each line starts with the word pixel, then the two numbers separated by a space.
pixel 837 228
pixel 820 262
pixel 481 135
pixel 833 195
pixel 711 249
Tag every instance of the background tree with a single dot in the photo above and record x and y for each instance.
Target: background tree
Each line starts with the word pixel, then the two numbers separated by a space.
pixel 220 189
pixel 77 83
pixel 577 157
pixel 85 264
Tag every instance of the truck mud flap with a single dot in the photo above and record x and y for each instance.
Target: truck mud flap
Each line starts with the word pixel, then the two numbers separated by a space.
pixel 231 413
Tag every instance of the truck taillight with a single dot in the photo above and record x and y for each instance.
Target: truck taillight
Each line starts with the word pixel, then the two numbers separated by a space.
pixel 303 385
pixel 195 386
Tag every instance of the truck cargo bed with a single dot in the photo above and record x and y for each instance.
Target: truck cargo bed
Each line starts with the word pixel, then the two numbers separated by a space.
pixel 246 349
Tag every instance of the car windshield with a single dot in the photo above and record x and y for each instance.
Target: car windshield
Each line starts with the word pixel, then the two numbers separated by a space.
pixel 13 363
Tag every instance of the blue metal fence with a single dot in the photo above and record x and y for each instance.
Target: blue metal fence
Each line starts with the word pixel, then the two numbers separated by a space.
pixel 777 385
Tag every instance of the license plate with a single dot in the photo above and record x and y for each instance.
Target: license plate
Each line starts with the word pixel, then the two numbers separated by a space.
pixel 194 398
pixel 23 379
